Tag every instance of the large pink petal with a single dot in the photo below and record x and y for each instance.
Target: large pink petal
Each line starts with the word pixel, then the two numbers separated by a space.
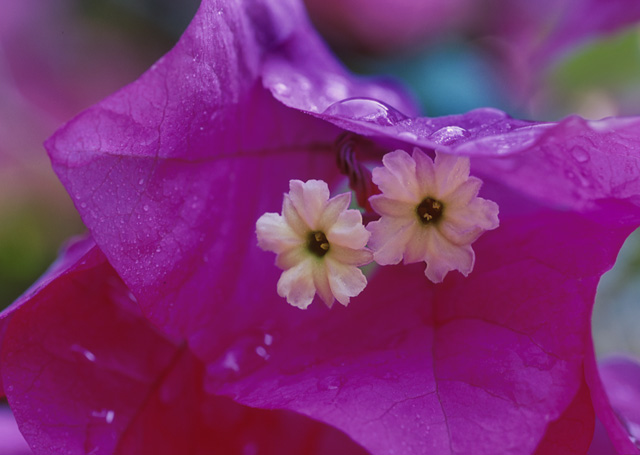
pixel 85 373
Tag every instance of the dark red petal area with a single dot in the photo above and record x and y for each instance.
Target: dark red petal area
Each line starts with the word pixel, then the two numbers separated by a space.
pixel 85 373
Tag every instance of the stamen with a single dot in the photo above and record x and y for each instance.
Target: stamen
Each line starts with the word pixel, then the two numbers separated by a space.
pixel 317 243
pixel 429 210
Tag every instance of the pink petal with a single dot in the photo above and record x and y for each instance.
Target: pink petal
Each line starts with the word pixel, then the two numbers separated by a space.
pixel 85 373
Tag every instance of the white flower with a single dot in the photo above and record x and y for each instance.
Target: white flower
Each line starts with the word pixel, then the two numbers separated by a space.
pixel 429 212
pixel 319 244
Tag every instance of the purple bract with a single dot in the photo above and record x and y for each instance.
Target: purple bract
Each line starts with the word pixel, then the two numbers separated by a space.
pixel 170 175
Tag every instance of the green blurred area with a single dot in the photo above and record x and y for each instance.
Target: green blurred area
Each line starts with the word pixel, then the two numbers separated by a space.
pixel 608 68
pixel 31 233
pixel 611 63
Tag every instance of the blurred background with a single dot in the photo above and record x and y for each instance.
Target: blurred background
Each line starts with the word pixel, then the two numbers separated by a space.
pixel 539 61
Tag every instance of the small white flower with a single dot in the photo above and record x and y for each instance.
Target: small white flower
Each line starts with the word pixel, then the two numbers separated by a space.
pixel 319 244
pixel 429 212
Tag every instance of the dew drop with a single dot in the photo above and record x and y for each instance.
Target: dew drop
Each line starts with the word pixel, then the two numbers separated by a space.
pixel 366 110
pixel 107 414
pixel 141 182
pixel 90 356
pixel 230 362
pixel 329 383
pixel 281 89
pixel 262 352
pixel 145 208
pixel 448 135
pixel 83 205
pixel 268 339
pixel 580 154
pixel 407 135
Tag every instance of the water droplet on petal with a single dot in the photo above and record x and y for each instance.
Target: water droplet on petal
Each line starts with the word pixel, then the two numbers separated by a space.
pixel 580 154
pixel 366 110
pixel 90 356
pixel 268 339
pixel 145 208
pixel 281 89
pixel 448 135
pixel 107 414
pixel 231 362
pixel 407 135
pixel 141 182
pixel 330 383
pixel 262 352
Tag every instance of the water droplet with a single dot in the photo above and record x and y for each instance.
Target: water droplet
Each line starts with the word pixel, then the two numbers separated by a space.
pixel 262 352
pixel 83 205
pixel 268 339
pixel 107 414
pixel 141 181
pixel 448 135
pixel 281 89
pixel 407 135
pixel 580 154
pixel 231 362
pixel 90 356
pixel 330 383
pixel 366 110
pixel 145 208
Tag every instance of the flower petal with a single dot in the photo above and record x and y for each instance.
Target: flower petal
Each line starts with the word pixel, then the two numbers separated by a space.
pixel 443 256
pixel 296 284
pixel 275 234
pixel 397 179
pixel 84 390
pixel 389 238
pixel 346 281
pixel 309 199
pixel 393 207
pixel 348 230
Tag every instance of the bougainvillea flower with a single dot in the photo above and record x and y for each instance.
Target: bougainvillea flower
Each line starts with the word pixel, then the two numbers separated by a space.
pixel 170 175
pixel 319 244
pixel 429 212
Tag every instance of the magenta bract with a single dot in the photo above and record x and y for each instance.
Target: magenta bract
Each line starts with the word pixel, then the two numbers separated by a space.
pixel 170 175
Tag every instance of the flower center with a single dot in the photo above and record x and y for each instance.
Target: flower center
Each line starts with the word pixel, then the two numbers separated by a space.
pixel 429 210
pixel 317 243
